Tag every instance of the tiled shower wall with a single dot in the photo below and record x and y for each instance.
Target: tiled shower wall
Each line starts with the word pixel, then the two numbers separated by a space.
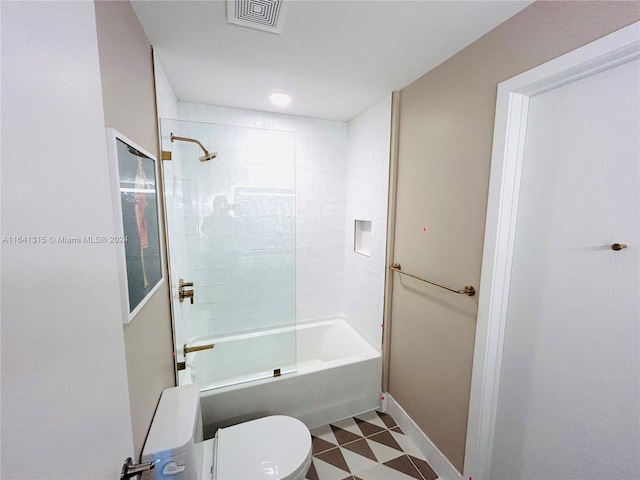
pixel 368 139
pixel 341 176
pixel 320 151
pixel 239 223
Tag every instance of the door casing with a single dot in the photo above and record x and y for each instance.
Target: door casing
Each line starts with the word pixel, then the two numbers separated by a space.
pixel 510 126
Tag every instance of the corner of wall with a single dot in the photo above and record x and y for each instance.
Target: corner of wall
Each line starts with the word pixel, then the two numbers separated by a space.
pixel 367 179
pixel 166 100
pixel 127 74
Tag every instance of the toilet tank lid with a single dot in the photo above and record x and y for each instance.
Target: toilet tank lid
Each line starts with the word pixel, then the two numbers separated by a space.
pixel 174 423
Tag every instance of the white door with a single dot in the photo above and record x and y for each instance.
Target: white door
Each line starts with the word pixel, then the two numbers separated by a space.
pixel 569 398
pixel 65 399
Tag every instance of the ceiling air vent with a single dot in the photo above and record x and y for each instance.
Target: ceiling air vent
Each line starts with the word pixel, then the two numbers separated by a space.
pixel 264 15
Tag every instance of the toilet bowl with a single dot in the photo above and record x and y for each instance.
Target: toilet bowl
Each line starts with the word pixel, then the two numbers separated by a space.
pixel 275 447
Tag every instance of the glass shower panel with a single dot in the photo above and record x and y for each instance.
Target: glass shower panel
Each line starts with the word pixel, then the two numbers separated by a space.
pixel 231 232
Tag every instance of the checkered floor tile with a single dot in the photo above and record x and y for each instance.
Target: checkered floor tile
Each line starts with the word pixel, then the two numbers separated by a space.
pixel 366 447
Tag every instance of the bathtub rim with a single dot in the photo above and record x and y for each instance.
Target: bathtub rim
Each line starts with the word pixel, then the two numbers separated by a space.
pixel 252 333
pixel 371 353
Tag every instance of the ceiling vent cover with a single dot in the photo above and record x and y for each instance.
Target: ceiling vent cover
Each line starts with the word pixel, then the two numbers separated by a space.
pixel 264 15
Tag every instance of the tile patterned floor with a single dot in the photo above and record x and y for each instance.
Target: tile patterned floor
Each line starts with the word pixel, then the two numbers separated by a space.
pixel 366 447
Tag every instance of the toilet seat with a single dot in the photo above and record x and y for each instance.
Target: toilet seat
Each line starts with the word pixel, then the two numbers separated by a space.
pixel 275 447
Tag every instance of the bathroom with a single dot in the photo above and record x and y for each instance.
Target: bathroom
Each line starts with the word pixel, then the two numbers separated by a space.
pixel 256 269
pixel 92 67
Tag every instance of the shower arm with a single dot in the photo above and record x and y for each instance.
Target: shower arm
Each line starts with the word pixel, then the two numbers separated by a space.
pixel 186 139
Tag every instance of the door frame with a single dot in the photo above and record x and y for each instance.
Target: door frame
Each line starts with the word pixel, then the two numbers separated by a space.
pixel 510 127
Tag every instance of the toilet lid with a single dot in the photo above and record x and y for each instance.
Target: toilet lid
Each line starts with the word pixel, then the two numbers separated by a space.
pixel 274 447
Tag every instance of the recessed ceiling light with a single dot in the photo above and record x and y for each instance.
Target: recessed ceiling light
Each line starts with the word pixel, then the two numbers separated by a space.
pixel 280 99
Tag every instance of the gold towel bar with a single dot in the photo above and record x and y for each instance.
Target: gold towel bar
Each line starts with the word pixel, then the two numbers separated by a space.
pixel 468 290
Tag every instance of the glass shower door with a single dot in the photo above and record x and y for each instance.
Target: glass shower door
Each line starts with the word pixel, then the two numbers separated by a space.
pixel 231 233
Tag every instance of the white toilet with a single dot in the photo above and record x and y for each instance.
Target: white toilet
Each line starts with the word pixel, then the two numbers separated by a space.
pixel 275 447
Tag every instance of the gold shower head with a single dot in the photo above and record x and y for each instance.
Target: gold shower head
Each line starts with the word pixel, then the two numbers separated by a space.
pixel 206 157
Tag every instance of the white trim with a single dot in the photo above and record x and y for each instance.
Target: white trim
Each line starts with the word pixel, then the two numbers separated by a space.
pixel 506 162
pixel 113 136
pixel 440 464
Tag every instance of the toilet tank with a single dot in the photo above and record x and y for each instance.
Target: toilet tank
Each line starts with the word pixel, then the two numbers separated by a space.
pixel 174 432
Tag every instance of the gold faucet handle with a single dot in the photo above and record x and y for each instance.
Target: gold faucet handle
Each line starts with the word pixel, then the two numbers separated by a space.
pixel 182 293
pixel 186 294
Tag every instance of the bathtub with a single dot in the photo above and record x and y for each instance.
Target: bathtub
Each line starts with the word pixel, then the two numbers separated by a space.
pixel 336 374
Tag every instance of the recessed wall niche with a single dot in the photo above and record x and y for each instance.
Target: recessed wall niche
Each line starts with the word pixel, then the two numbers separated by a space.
pixel 362 237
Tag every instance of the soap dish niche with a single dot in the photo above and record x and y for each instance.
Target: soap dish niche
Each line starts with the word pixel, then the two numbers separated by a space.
pixel 362 237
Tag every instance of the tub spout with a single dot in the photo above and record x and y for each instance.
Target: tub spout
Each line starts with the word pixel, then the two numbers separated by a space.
pixel 197 348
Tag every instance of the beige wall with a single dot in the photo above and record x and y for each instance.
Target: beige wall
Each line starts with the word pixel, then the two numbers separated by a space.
pixel 445 136
pixel 126 69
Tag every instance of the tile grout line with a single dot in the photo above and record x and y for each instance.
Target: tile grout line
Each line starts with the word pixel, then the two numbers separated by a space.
pixel 352 441
pixel 415 466
pixel 388 429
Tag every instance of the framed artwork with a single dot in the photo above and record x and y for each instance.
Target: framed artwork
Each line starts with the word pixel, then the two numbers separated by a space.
pixel 134 176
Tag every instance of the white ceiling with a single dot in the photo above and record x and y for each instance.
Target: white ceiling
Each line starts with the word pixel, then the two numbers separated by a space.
pixel 335 58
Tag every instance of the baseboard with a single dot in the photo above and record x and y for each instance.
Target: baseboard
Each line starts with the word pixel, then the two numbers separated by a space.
pixel 437 460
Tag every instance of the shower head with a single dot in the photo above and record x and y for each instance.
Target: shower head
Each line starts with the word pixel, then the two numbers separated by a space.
pixel 206 157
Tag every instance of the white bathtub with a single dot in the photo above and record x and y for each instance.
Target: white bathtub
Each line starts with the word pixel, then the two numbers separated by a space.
pixel 336 374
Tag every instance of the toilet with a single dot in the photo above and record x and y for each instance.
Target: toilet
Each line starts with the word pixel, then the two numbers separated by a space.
pixel 275 447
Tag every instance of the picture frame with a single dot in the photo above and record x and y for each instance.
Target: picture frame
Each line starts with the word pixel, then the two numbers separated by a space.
pixel 136 205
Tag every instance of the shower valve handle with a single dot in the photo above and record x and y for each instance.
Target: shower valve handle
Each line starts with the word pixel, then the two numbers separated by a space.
pixel 186 294
pixel 130 470
pixel 182 293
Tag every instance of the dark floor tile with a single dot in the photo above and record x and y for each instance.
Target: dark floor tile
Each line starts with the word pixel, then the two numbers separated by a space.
pixel 424 468
pixel 319 445
pixel 387 419
pixel 361 447
pixel 344 436
pixel 311 473
pixel 385 438
pixel 368 428
pixel 405 465
pixel 335 458
pixel 328 452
